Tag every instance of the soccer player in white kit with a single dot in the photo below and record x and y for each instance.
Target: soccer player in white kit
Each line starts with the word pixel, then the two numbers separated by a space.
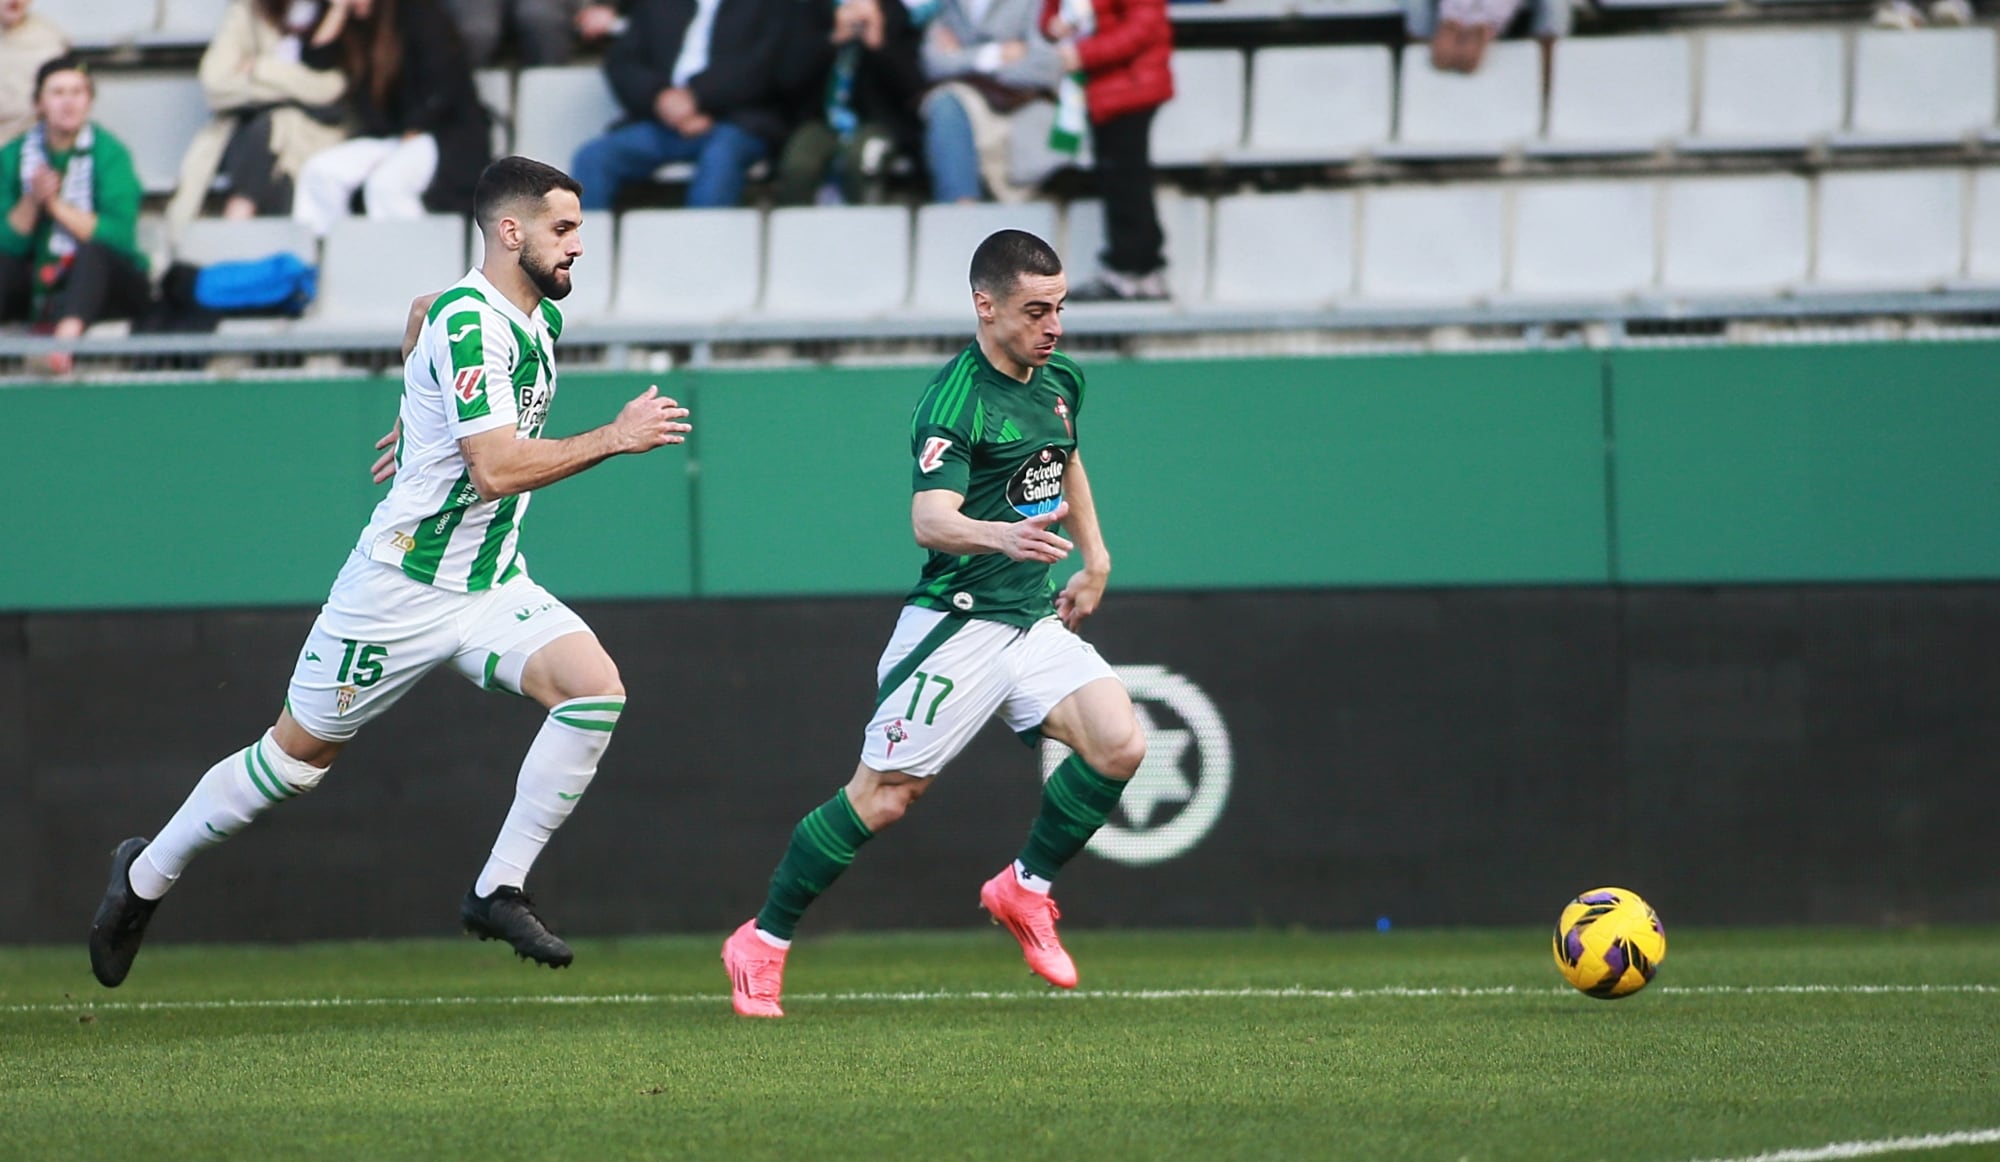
pixel 438 579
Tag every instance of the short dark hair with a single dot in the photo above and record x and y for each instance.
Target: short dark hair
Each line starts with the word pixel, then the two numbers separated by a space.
pixel 511 180
pixel 1006 255
pixel 66 63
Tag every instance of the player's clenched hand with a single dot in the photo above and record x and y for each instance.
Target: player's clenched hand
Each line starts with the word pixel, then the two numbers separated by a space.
pixel 1079 598
pixel 1031 540
pixel 385 464
pixel 649 422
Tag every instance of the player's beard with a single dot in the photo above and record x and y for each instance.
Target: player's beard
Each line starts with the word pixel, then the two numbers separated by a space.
pixel 546 278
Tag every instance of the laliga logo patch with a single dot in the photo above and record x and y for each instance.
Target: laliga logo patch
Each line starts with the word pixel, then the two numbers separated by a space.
pixel 1179 791
pixel 1037 485
pixel 933 454
pixel 466 386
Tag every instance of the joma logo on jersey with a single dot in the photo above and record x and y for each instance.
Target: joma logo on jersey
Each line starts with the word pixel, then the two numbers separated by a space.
pixel 459 335
pixel 933 454
pixel 1037 485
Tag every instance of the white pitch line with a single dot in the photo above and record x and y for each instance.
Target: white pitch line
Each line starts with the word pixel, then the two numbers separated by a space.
pixel 716 997
pixel 1879 1146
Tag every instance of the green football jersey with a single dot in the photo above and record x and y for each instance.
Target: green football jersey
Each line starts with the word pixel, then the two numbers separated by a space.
pixel 1003 445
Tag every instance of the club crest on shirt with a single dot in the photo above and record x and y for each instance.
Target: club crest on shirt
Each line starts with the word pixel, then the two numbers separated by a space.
pixel 1037 485
pixel 895 733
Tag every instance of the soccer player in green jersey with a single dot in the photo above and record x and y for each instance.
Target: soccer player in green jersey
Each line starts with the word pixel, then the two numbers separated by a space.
pixel 437 578
pixel 995 468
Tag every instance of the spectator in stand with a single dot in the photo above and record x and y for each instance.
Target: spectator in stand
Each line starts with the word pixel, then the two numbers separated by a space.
pixel 421 135
pixel 26 42
pixel 543 32
pixel 1460 30
pixel 69 247
pixel 1905 15
pixel 854 70
pixel 698 80
pixel 992 66
pixel 1124 50
pixel 272 75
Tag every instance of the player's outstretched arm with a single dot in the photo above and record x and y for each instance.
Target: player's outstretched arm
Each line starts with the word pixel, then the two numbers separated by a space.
pixel 1081 594
pixel 942 528
pixel 502 465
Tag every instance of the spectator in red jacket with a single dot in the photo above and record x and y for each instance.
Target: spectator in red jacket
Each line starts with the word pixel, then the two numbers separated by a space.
pixel 1124 48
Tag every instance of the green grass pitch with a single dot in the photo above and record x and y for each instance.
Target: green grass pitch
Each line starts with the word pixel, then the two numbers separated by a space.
pixel 1199 1045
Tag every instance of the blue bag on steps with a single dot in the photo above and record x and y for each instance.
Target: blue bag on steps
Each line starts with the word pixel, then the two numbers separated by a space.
pixel 280 284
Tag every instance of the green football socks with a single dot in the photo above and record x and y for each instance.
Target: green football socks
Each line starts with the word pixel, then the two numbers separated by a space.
pixel 1075 802
pixel 823 844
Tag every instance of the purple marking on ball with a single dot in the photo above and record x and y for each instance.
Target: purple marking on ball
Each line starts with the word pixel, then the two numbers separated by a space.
pixel 1598 898
pixel 1614 958
pixel 1573 945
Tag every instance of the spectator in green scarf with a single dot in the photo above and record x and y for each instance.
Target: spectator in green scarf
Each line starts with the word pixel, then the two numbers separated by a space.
pixel 69 249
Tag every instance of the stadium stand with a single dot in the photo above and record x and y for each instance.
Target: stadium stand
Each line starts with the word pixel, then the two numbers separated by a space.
pixel 837 262
pixel 1919 245
pixel 1777 160
pixel 947 233
pixel 156 115
pixel 657 249
pixel 1929 88
pixel 1583 240
pixel 370 269
pixel 1260 240
pixel 1769 91
pixel 1738 236
pixel 1317 103
pixel 1619 95
pixel 1442 245
pixel 1450 115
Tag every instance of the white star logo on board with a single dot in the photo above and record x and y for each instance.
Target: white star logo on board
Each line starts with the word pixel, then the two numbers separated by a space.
pixel 1151 831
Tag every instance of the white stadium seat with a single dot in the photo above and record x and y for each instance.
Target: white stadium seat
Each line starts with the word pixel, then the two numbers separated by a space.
pixel 370 270
pixel 1184 221
pixel 593 275
pixel 1735 235
pixel 1318 103
pixel 189 22
pixel 1982 259
pixel 1900 229
pixel 1583 240
pixel 1283 250
pixel 1438 245
pixel 558 109
pixel 1204 120
pixel 496 92
pixel 155 115
pixel 1482 115
pixel 210 240
pixel 1930 87
pixel 1618 94
pixel 1769 90
pixel 101 23
pixel 688 265
pixel 837 262
pixel 946 237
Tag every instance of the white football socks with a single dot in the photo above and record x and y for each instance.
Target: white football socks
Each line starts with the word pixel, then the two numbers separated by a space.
pixel 1030 880
pixel 232 793
pixel 558 768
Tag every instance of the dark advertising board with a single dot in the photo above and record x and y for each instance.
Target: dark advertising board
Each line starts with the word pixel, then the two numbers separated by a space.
pixel 1322 758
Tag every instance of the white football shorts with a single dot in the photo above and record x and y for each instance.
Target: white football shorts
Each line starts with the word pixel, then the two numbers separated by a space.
pixel 380 631
pixel 942 676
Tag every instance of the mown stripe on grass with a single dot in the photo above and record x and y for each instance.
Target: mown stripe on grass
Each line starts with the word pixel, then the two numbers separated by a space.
pixel 1313 994
pixel 1835 1150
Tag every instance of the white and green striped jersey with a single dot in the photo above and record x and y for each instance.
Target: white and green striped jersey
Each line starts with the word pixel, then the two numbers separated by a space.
pixel 479 364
